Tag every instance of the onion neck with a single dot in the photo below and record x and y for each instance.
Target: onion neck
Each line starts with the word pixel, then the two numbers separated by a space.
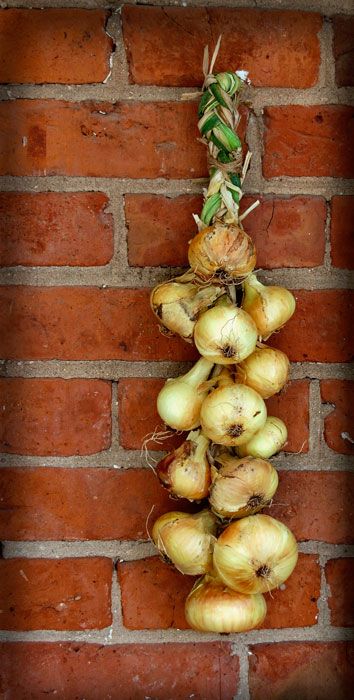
pixel 199 373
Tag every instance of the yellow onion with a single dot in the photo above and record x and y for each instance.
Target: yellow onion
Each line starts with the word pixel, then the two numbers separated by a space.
pixel 232 413
pixel 266 371
pixel 267 441
pixel 187 540
pixel 241 487
pixel 212 607
pixel 270 307
pixel 222 251
pixel 225 334
pixel 179 401
pixel 185 472
pixel 255 554
pixel 178 304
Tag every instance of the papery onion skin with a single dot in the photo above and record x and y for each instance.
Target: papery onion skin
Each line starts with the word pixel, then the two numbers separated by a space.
pixel 187 542
pixel 178 304
pixel 230 415
pixel 222 251
pixel 255 554
pixel 268 441
pixel 185 472
pixel 242 487
pixel 270 307
pixel 212 607
pixel 179 402
pixel 225 334
pixel 266 371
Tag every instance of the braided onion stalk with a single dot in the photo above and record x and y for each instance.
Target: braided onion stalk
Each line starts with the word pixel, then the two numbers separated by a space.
pixel 221 306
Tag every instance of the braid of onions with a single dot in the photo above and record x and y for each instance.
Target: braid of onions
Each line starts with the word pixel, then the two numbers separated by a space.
pixel 221 306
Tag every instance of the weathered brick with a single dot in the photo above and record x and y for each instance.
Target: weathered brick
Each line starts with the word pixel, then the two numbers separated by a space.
pixel 167 589
pixel 288 232
pixel 165 44
pixel 339 575
pixel 54 46
pixel 292 406
pixel 101 139
pixel 91 671
pixel 159 228
pixel 55 228
pixel 301 670
pixel 55 416
pixel 319 330
pixel 80 504
pixel 316 505
pixel 342 217
pixel 338 425
pixel 343 47
pixel 65 594
pixel 309 141
pixel 77 323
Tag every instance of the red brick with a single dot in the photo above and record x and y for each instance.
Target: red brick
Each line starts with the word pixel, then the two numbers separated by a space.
pixel 338 425
pixel 124 139
pixel 304 497
pixel 55 228
pixel 164 587
pixel 78 323
pixel 301 670
pixel 292 406
pixel 309 141
pixel 55 416
pixel 65 594
pixel 80 504
pixel 166 590
pixel 293 60
pixel 342 217
pixel 339 575
pixel 320 330
pixel 54 46
pixel 159 228
pixel 343 47
pixel 287 232
pixel 158 671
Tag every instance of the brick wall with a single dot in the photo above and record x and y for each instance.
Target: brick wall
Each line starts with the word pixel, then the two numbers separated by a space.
pixel 100 172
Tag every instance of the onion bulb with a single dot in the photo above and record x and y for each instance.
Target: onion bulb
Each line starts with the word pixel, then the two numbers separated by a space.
pixel 232 413
pixel 267 441
pixel 222 251
pixel 266 371
pixel 185 472
pixel 179 401
pixel 255 554
pixel 241 487
pixel 225 334
pixel 270 307
pixel 178 304
pixel 187 540
pixel 212 607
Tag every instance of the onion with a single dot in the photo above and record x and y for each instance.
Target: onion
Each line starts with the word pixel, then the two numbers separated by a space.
pixel 267 441
pixel 222 251
pixel 232 413
pixel 266 371
pixel 187 540
pixel 179 401
pixel 225 334
pixel 255 554
pixel 177 305
pixel 270 307
pixel 242 486
pixel 212 607
pixel 185 472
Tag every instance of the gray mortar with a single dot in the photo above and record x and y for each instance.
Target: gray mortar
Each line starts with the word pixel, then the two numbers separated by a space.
pixel 118 274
